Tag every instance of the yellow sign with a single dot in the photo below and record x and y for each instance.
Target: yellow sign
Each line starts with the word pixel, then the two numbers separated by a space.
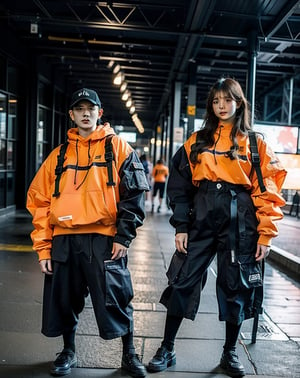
pixel 191 110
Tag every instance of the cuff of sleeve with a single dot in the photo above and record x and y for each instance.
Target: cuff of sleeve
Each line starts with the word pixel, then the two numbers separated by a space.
pixel 264 240
pixel 44 254
pixel 121 240
pixel 183 228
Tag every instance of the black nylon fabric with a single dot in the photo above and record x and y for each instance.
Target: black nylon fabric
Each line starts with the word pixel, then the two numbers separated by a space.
pixel 209 236
pixel 78 270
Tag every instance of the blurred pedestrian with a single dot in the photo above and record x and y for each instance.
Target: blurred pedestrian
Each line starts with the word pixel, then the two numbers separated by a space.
pixel 85 214
pixel 295 204
pixel 219 209
pixel 160 173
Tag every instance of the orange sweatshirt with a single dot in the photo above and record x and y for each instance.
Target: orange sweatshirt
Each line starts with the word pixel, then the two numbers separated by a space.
pixel 86 203
pixel 214 165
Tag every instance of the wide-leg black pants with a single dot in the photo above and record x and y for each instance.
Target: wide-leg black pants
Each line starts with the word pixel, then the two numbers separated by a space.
pixel 211 234
pixel 78 270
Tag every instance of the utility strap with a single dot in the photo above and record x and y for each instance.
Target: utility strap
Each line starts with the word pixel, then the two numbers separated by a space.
pixel 256 160
pixel 59 168
pixel 109 157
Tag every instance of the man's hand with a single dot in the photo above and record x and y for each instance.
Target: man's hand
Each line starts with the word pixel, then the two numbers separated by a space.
pixel 118 251
pixel 46 266
pixel 262 252
pixel 181 241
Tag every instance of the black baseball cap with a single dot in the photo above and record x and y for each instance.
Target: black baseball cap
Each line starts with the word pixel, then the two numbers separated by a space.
pixel 85 94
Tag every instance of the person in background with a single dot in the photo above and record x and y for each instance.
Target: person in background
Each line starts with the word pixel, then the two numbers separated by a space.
pixel 84 220
pixel 219 209
pixel 295 204
pixel 160 173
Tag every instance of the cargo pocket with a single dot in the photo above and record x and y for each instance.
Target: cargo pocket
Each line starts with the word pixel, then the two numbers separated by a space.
pixel 175 267
pixel 243 274
pixel 118 285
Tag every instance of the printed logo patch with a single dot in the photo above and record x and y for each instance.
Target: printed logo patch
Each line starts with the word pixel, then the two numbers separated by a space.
pixel 254 277
pixel 65 217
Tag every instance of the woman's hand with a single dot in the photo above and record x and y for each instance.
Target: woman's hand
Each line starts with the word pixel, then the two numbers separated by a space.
pixel 181 241
pixel 262 251
pixel 46 266
pixel 118 251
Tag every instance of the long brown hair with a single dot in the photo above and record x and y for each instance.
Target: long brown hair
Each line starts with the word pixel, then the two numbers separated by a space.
pixel 205 136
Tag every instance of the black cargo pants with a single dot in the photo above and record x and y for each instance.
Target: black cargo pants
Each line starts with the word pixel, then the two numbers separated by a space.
pixel 211 234
pixel 78 270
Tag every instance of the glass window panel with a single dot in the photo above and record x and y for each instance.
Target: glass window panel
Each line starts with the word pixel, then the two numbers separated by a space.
pixel 11 184
pixel 12 118
pixel 2 154
pixel 3 115
pixel 11 155
pixel 42 139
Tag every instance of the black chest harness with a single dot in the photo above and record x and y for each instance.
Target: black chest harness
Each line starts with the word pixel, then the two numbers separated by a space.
pixel 109 157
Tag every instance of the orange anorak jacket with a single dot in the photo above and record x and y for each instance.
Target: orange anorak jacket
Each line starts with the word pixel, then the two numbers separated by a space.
pixel 86 203
pixel 215 165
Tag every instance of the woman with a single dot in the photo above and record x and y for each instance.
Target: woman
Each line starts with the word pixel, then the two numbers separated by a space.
pixel 219 209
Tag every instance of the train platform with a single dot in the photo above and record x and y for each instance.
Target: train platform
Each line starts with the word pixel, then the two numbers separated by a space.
pixel 25 352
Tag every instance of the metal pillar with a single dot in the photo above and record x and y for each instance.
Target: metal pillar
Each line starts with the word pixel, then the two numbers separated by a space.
pixel 253 48
pixel 175 114
pixel 191 107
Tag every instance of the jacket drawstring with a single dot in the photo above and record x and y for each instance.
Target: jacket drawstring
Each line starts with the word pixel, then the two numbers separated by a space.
pixel 88 168
pixel 76 169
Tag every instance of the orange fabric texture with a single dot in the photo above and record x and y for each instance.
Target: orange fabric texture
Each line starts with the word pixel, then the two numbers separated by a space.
pixel 216 166
pixel 86 204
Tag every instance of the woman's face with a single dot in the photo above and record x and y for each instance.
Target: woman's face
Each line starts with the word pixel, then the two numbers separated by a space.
pixel 224 107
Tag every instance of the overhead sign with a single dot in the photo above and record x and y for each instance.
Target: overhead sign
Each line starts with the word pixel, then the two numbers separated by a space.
pixel 191 110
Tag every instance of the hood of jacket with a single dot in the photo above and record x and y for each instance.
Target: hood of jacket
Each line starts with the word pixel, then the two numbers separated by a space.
pixel 101 132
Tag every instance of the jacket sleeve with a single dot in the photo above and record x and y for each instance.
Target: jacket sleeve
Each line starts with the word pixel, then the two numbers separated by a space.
pixel 131 207
pixel 269 202
pixel 38 204
pixel 180 191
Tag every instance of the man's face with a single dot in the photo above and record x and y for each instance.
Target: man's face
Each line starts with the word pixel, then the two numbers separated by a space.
pixel 85 116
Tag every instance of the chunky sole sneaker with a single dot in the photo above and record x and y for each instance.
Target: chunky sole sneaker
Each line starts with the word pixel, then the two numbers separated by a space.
pixel 133 366
pixel 231 365
pixel 65 361
pixel 162 360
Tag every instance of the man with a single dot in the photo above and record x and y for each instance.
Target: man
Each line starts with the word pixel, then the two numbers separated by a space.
pixel 160 173
pixel 84 213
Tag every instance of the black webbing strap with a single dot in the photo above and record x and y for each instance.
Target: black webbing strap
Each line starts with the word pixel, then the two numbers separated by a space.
pixel 256 160
pixel 233 224
pixel 59 168
pixel 109 157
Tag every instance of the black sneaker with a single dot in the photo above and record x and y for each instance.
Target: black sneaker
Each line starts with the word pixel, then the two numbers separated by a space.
pixel 162 360
pixel 133 366
pixel 231 365
pixel 65 361
pixel 158 209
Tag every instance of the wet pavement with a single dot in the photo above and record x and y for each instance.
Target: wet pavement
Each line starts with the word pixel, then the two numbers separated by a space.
pixel 24 352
